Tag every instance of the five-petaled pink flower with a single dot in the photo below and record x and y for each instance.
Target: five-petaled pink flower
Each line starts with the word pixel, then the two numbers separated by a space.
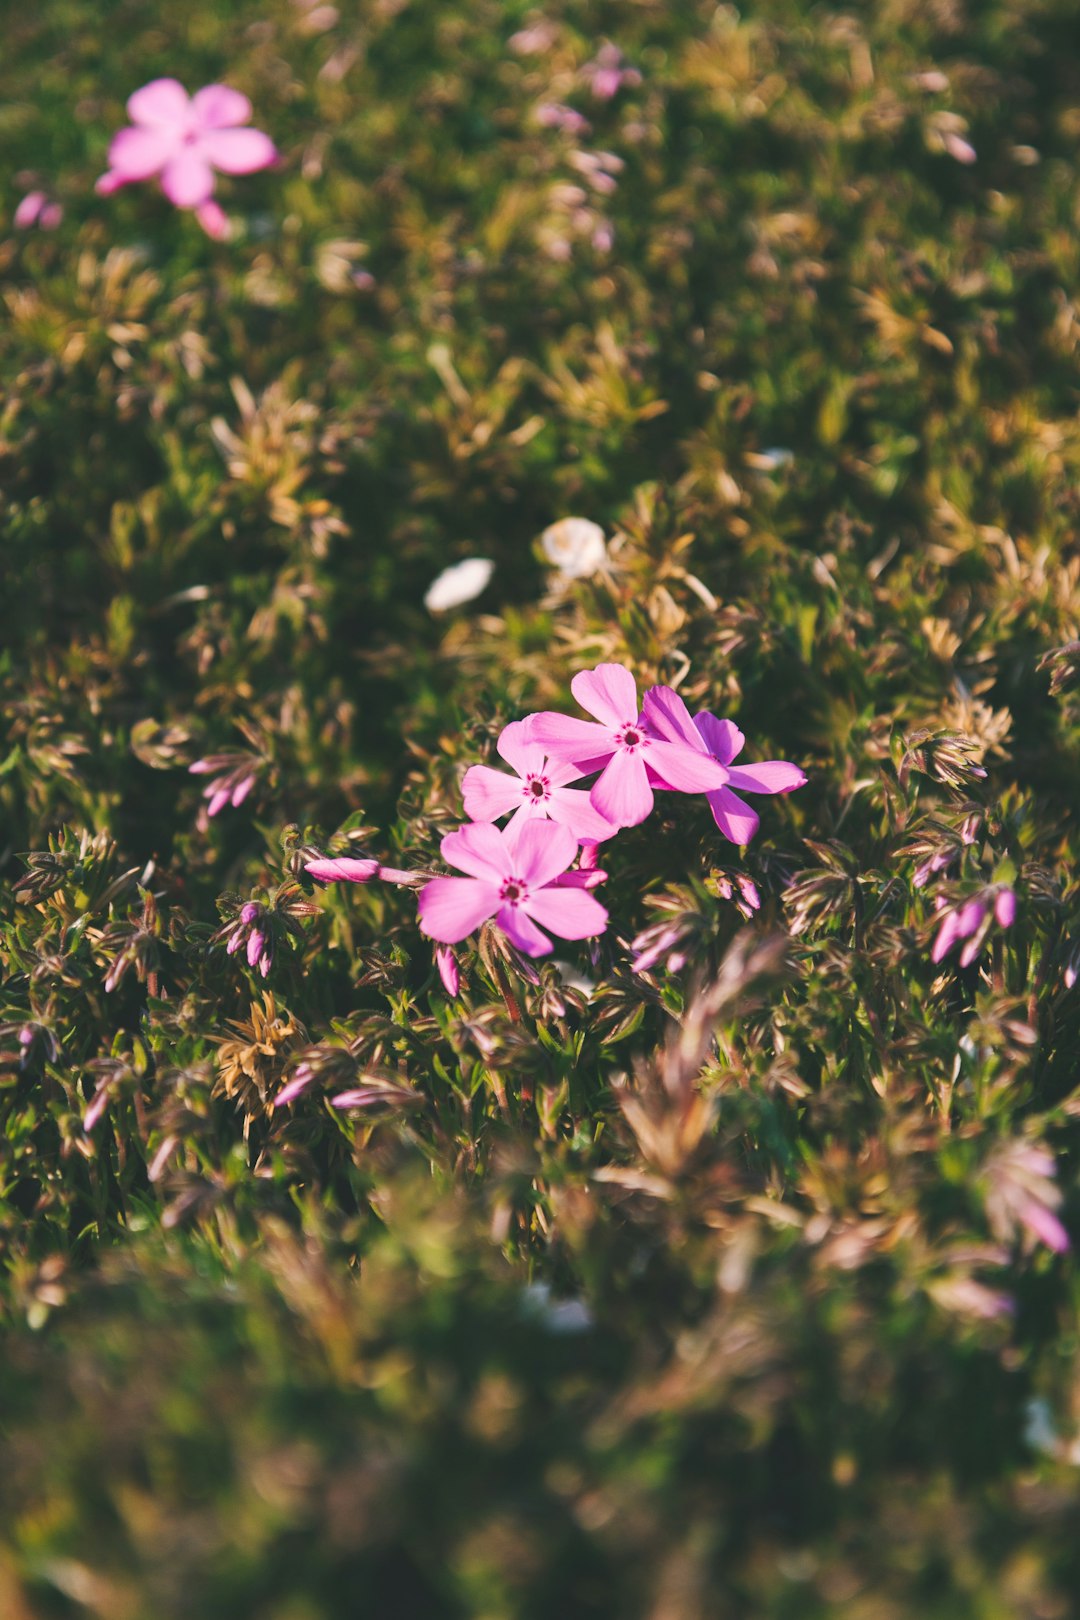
pixel 538 790
pixel 631 755
pixel 513 877
pixel 666 715
pixel 184 139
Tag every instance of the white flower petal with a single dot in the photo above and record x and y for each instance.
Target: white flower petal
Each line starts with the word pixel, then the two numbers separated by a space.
pixel 458 584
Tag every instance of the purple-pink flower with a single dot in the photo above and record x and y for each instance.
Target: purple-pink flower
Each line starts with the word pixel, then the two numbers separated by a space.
pixel 234 777
pixel 667 716
pixel 1022 1195
pixel 971 922
pixel 537 790
pixel 36 209
pixel 513 877
pixel 608 72
pixel 184 139
pixel 630 754
pixel 252 930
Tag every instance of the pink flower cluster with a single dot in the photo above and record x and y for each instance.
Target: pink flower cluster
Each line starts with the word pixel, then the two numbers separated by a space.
pixel 537 872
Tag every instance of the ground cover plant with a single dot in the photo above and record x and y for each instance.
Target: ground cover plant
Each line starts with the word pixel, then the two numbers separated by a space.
pixel 539 930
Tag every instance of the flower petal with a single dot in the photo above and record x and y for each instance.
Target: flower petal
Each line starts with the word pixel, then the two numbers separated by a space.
pixel 161 103
pixel 219 106
pixel 136 153
pixel 735 820
pixel 609 692
pixel 489 794
pixel 479 849
pixel 187 179
pixel 571 913
pixel 572 807
pixel 767 776
pixel 452 907
pixel 214 220
pixel 946 938
pixel 666 716
pixel 1044 1225
pixel 623 795
pixel 237 151
pixel 970 915
pixel 722 738
pixel 566 738
pixel 521 754
pixel 523 932
pixel 684 770
pixel 541 850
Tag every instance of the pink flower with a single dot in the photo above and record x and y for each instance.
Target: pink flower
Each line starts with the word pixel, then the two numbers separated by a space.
pixel 184 139
pixel 667 715
pixel 512 877
pixel 36 209
pixel 607 73
pixel 971 922
pixel 1022 1195
pixel 556 115
pixel 252 930
pixel 537 791
pixel 630 754
pixel 234 777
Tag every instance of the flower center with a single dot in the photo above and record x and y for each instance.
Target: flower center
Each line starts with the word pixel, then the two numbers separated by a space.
pixel 513 891
pixel 537 787
pixel 631 737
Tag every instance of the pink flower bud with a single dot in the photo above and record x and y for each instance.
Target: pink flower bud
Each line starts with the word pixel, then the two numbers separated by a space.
pixel 448 970
pixel 28 210
pixel 345 869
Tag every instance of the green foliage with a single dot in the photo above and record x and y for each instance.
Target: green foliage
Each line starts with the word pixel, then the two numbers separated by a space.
pixel 719 1288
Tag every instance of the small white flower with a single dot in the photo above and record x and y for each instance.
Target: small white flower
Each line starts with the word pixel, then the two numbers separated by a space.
pixel 458 584
pixel 575 547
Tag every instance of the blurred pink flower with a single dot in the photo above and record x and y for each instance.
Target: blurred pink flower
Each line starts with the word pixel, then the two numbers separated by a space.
pixel 721 740
pixel 234 777
pixel 556 115
pixel 36 209
pixel 631 755
pixel 513 879
pixel 184 139
pixel 538 789
pixel 971 922
pixel 1022 1195
pixel 608 72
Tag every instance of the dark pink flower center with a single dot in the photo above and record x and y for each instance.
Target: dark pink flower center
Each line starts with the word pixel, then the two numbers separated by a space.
pixel 513 891
pixel 631 737
pixel 537 787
